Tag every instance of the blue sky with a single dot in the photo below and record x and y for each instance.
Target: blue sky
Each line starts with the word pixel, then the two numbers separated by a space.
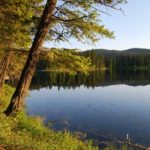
pixel 132 29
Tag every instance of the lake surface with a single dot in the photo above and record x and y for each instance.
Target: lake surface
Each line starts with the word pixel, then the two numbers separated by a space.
pixel 103 104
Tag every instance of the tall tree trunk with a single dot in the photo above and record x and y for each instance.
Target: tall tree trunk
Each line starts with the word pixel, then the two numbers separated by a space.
pixel 4 67
pixel 18 97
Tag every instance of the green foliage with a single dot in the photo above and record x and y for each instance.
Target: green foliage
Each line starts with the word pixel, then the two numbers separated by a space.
pixel 58 60
pixel 5 94
pixel 78 20
pixel 22 132
pixel 16 66
pixel 64 60
pixel 71 19
pixel 16 63
pixel 17 21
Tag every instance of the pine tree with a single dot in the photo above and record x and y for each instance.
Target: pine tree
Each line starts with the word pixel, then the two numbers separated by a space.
pixel 62 20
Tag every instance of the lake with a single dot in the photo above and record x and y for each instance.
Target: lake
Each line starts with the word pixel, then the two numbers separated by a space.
pixel 105 105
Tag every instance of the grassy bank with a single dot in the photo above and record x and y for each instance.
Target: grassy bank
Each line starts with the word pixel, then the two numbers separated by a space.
pixel 22 132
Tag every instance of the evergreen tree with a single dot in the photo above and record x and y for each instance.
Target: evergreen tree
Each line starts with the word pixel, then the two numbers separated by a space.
pixel 68 18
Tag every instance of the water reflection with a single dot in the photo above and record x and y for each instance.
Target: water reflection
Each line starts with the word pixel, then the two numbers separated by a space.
pixel 113 104
pixel 94 79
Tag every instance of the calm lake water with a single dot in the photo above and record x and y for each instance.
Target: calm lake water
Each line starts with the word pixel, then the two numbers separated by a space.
pixel 103 104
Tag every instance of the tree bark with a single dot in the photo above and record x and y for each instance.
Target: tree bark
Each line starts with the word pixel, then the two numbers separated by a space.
pixel 4 67
pixel 18 97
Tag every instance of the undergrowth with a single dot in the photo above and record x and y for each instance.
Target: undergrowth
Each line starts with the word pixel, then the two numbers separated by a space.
pixel 22 132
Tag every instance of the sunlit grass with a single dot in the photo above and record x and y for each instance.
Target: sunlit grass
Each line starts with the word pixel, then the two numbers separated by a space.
pixel 23 132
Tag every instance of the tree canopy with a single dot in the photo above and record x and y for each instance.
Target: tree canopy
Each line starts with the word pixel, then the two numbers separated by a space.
pixel 17 22
pixel 62 20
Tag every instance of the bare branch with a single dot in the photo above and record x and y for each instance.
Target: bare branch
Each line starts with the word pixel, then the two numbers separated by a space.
pixel 60 35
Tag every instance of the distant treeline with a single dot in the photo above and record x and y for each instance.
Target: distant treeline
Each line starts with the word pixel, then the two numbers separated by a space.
pixel 69 61
pixel 118 60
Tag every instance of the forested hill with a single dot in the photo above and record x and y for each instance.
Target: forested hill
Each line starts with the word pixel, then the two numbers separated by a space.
pixel 135 58
pixel 132 51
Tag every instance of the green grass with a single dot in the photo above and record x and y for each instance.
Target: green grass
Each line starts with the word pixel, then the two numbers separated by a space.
pixel 22 132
